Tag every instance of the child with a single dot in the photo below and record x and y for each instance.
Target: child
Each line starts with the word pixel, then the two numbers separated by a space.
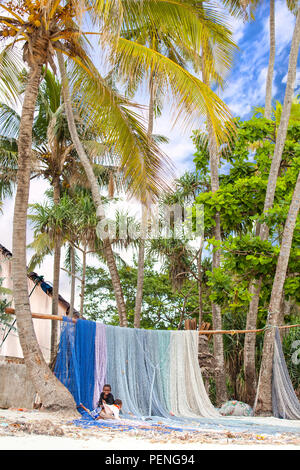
pixel 106 396
pixel 111 411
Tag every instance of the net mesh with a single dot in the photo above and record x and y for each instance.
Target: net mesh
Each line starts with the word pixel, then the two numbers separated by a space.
pixel 66 366
pixel 154 372
pixel 284 399
pixel 100 362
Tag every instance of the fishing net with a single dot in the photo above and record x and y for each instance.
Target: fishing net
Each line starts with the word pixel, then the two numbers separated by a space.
pixel 100 362
pixel 135 370
pixel 75 361
pixel 236 408
pixel 155 373
pixel 66 366
pixel 284 399
pixel 188 395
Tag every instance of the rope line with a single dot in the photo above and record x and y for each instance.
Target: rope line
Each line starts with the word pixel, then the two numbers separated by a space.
pixel 11 311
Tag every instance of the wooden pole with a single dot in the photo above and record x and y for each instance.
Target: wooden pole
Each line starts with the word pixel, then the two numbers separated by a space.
pixel 11 311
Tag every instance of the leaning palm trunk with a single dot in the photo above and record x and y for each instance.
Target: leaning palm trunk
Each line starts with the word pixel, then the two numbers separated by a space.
pixel 249 354
pixel 263 401
pixel 141 257
pixel 107 249
pixel 52 393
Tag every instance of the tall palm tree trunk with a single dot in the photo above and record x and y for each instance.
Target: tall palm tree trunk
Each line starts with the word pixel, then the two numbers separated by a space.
pixel 255 287
pixel 263 402
pixel 53 394
pixel 56 275
pixel 141 257
pixel 83 281
pixel 249 351
pixel 270 74
pixel 107 249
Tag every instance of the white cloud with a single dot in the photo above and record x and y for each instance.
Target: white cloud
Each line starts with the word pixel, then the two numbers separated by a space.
pixel 238 27
pixel 284 25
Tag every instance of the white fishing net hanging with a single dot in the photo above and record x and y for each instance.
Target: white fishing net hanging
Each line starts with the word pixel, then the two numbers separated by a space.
pixel 100 362
pixel 156 373
pixel 188 396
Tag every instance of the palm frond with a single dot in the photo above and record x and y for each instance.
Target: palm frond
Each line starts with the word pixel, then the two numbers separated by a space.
pixel 10 68
pixel 193 100
pixel 144 166
pixel 9 121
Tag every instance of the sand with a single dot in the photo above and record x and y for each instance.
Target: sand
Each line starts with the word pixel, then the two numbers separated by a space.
pixel 41 430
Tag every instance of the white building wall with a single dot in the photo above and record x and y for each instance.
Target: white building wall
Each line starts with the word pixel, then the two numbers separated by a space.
pixel 41 303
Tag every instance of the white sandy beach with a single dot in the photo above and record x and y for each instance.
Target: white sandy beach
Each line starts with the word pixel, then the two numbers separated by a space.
pixel 38 430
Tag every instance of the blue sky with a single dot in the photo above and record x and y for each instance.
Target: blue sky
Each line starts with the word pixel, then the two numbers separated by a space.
pixel 246 81
pixel 245 89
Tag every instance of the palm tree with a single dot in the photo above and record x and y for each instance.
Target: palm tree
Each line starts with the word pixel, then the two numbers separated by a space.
pixel 186 188
pixel 72 266
pixel 284 121
pixel 125 55
pixel 177 53
pixel 50 223
pixel 52 155
pixel 35 24
pixel 238 7
pixel 262 231
pixel 262 402
pixel 46 27
pixel 83 226
pixel 292 5
pixel 213 150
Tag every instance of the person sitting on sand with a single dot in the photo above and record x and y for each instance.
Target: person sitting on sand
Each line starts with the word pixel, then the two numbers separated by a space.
pixel 106 396
pixel 111 411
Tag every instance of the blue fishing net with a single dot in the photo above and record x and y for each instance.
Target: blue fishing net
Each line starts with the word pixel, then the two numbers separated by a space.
pixel 75 363
pixel 153 372
pixel 66 366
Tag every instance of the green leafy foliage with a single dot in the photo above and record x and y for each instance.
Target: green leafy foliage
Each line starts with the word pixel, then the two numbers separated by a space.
pixel 161 305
